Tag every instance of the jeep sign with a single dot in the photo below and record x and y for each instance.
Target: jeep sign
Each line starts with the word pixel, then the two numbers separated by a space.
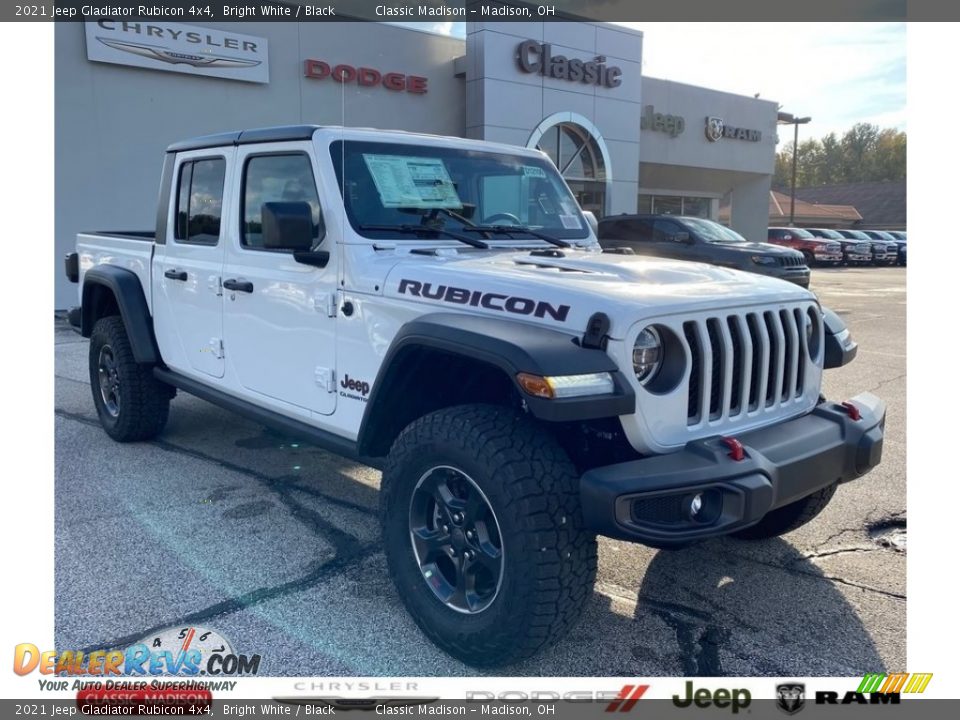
pixel 672 125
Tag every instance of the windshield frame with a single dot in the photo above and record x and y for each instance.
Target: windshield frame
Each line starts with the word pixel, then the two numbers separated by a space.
pixel 340 154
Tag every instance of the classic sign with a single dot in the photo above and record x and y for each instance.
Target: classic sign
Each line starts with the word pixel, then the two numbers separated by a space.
pixel 534 57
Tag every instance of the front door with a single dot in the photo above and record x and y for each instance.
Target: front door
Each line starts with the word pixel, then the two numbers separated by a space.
pixel 279 315
pixel 187 301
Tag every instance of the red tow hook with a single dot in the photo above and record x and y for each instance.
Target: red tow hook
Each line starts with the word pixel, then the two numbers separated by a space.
pixel 853 412
pixel 735 447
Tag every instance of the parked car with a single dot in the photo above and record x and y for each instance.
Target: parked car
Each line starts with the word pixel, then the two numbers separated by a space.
pixel 899 237
pixel 691 238
pixel 884 252
pixel 822 251
pixel 855 252
pixel 522 391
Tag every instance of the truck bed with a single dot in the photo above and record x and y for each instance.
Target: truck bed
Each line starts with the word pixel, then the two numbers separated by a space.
pixel 127 249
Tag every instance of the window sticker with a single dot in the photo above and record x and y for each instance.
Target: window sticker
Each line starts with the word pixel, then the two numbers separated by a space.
pixel 570 222
pixel 418 182
pixel 533 171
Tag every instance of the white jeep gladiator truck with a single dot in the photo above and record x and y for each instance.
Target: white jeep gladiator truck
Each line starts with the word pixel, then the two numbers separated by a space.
pixel 440 308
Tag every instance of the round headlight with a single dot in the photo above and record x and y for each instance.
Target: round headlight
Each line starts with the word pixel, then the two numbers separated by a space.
pixel 647 354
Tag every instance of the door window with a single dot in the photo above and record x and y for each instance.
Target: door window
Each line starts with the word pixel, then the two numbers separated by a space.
pixel 277 178
pixel 200 201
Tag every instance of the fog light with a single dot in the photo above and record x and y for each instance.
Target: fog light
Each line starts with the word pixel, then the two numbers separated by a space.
pixel 704 507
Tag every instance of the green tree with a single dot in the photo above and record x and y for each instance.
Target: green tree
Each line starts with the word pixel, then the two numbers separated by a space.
pixel 864 153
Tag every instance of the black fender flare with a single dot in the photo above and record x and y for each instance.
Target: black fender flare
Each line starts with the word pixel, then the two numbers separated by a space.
pixel 128 292
pixel 509 346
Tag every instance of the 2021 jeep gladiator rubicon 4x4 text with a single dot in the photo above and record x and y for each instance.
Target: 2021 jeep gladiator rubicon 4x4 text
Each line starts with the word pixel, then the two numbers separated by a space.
pixel 440 308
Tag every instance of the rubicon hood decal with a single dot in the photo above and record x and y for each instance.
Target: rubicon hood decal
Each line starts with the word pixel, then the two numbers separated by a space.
pixel 175 57
pixel 491 301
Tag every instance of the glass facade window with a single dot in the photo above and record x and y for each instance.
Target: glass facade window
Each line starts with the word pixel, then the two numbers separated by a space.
pixel 674 205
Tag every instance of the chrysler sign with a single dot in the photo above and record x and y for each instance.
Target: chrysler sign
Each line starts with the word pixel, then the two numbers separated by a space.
pixel 174 47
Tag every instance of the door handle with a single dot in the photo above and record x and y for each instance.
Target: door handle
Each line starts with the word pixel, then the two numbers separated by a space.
pixel 238 285
pixel 176 275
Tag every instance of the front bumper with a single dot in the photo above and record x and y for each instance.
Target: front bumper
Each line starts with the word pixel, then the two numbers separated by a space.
pixel 648 500
pixel 829 258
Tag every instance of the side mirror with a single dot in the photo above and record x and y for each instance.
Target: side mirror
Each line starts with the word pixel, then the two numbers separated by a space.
pixel 592 222
pixel 681 237
pixel 287 226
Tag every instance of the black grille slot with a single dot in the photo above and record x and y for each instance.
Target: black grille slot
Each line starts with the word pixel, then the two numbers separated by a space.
pixel 738 350
pixel 693 396
pixel 754 327
pixel 798 317
pixel 716 372
pixel 790 364
pixel 774 358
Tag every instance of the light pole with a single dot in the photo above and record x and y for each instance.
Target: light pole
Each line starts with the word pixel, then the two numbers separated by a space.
pixel 790 119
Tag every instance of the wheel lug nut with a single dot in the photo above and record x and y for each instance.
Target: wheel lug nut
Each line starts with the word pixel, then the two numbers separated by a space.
pixel 446 528
pixel 457 518
pixel 470 534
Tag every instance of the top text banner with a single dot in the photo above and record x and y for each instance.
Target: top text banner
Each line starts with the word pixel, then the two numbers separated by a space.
pixel 487 10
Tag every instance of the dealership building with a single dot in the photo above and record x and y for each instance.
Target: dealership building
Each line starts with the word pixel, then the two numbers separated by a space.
pixel 125 90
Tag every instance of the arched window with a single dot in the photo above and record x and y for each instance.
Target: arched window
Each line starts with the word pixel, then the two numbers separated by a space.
pixel 576 148
pixel 574 151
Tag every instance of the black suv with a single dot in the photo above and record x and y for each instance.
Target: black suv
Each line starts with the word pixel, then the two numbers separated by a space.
pixel 692 238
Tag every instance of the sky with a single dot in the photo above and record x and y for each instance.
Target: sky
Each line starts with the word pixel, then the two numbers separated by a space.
pixel 836 73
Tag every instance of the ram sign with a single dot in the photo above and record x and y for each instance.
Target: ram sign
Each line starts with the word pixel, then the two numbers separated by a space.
pixel 174 47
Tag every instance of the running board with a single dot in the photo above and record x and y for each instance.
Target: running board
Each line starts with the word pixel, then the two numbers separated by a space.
pixel 273 420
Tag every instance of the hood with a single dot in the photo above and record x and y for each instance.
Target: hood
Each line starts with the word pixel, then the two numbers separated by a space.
pixel 563 292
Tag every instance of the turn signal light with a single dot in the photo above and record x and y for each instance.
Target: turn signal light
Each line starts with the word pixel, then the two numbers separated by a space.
pixel 535 385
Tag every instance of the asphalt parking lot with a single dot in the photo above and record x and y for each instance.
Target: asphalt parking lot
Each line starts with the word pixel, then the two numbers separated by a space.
pixel 275 544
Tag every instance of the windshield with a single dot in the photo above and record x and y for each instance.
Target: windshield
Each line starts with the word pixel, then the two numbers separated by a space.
pixel 859 234
pixel 832 234
pixel 801 233
pixel 712 232
pixel 389 187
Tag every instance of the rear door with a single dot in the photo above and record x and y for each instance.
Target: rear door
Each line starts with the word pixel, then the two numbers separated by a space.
pixel 187 298
pixel 280 315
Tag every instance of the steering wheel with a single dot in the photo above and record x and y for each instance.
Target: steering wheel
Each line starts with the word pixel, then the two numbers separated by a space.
pixel 503 218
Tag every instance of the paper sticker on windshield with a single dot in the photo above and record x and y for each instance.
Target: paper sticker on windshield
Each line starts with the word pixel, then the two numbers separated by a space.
pixel 534 171
pixel 570 222
pixel 417 182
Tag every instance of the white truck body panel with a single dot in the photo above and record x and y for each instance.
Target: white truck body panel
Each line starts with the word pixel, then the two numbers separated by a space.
pixel 289 346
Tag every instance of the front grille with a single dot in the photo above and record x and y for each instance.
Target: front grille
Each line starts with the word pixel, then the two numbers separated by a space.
pixel 833 248
pixel 744 362
pixel 792 260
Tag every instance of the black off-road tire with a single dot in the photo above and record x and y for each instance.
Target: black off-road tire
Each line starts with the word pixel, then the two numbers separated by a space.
pixel 789 517
pixel 808 258
pixel 142 402
pixel 549 561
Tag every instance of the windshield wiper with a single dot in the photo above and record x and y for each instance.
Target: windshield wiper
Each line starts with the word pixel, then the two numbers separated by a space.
pixel 427 229
pixel 514 229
